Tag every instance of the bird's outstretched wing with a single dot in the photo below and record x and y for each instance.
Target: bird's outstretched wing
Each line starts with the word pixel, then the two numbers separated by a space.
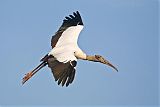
pixel 64 44
pixel 69 30
pixel 64 73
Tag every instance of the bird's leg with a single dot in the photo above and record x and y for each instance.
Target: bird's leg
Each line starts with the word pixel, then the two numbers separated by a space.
pixel 99 58
pixel 31 73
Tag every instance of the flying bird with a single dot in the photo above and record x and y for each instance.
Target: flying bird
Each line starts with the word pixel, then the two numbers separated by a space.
pixel 62 59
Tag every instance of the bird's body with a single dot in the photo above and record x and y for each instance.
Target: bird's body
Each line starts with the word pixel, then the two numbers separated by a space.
pixel 62 59
pixel 67 48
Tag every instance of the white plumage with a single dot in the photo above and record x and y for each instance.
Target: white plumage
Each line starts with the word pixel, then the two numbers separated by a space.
pixel 62 59
pixel 70 36
pixel 67 46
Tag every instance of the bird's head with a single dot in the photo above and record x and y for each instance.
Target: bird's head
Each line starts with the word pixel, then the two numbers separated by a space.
pixel 99 58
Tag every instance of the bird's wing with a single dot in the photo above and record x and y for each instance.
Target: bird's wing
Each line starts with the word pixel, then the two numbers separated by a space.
pixel 64 44
pixel 69 30
pixel 63 72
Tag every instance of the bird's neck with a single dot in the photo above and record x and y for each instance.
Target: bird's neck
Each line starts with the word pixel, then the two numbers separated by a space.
pixel 80 54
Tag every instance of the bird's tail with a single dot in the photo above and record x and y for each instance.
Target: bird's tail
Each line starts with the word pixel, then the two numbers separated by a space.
pixel 34 71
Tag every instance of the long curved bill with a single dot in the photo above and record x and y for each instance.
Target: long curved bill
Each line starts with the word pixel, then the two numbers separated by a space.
pixel 104 61
pixel 109 64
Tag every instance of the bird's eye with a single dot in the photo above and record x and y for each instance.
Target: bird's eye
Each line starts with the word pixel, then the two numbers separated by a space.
pixel 97 56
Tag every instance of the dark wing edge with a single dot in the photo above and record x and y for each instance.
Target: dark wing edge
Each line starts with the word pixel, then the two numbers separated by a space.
pixel 71 20
pixel 64 73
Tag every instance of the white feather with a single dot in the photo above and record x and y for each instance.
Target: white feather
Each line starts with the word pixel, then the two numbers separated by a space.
pixel 66 46
pixel 70 35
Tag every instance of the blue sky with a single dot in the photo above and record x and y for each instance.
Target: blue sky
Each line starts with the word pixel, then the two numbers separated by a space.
pixel 123 31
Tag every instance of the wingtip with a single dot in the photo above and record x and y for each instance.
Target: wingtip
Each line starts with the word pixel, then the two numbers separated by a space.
pixel 77 12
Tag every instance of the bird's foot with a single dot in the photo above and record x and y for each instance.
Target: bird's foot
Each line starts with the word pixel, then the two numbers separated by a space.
pixel 27 76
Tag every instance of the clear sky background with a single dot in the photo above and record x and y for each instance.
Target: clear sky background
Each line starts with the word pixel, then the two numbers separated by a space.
pixel 123 31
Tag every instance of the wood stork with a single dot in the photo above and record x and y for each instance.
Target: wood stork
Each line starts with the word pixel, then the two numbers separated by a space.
pixel 62 59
